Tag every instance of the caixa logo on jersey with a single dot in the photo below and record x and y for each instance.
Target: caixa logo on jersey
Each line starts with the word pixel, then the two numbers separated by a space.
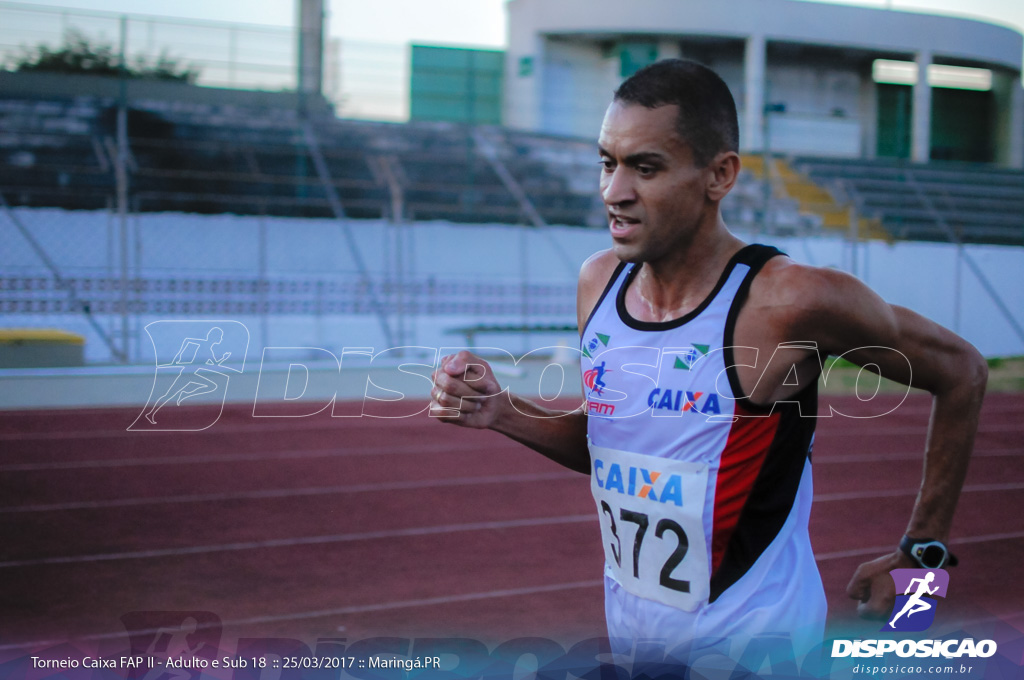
pixel 639 482
pixel 913 612
pixel 684 401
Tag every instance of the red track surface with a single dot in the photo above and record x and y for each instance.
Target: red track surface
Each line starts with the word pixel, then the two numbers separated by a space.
pixel 315 527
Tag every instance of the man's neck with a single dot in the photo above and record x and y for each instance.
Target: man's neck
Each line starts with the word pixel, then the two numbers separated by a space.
pixel 674 286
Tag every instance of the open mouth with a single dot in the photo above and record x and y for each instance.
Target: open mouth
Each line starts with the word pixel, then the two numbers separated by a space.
pixel 621 225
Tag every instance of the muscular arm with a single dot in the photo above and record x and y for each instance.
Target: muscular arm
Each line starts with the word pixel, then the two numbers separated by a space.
pixel 955 374
pixel 845 317
pixel 465 390
pixel 560 436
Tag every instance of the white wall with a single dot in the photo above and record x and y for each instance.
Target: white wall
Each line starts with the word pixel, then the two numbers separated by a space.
pixel 578 85
pixel 809 23
pixel 921 276
pixel 707 30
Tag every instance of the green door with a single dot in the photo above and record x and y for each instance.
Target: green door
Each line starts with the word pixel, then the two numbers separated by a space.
pixel 895 111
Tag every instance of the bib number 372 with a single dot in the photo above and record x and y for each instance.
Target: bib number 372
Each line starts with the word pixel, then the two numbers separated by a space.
pixel 651 524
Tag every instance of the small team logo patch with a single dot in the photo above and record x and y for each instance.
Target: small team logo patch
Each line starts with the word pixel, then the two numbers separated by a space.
pixel 685 360
pixel 596 342
pixel 594 378
pixel 916 590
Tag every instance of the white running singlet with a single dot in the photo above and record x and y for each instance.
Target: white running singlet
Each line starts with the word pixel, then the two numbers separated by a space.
pixel 704 498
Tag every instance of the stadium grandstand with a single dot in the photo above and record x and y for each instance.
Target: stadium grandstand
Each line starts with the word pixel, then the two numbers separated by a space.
pixel 116 189
pixel 231 257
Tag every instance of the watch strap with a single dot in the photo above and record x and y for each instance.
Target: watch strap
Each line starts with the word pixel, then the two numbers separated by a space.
pixel 914 547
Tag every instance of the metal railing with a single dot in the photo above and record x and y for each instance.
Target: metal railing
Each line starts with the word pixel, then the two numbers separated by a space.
pixel 225 54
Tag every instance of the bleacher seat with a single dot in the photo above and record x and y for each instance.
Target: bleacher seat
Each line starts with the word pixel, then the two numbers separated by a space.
pixel 230 159
pixel 931 202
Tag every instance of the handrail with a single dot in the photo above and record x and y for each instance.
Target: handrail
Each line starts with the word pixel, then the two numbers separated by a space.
pixel 965 256
pixel 81 305
pixel 490 154
pixel 339 213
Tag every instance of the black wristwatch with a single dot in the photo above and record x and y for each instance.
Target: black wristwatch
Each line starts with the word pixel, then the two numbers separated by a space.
pixel 927 552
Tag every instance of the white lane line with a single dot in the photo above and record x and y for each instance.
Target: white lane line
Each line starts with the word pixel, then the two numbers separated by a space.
pixel 423 531
pixel 250 457
pixel 339 611
pixel 884 549
pixel 867 431
pixel 257 425
pixel 924 408
pixel 827 459
pixel 895 493
pixel 321 421
pixel 264 494
pixel 821 459
pixel 305 540
pixel 423 602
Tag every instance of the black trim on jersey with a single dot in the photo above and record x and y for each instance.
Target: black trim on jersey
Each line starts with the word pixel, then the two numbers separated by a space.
pixel 773 494
pixel 757 256
pixel 740 257
pixel 775 488
pixel 611 282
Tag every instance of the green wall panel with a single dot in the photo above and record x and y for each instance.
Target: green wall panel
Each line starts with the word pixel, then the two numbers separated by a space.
pixel 456 85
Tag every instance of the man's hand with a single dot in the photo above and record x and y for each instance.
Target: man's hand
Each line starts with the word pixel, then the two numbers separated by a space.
pixel 464 392
pixel 467 393
pixel 873 587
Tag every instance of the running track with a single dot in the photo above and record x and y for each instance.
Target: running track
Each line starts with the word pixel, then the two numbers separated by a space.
pixel 313 528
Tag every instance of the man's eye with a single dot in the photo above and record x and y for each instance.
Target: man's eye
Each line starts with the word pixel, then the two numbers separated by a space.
pixel 606 165
pixel 645 170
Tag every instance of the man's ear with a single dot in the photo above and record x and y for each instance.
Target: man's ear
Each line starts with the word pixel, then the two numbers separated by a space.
pixel 724 170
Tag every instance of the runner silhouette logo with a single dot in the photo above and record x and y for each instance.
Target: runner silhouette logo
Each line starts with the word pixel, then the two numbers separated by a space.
pixel 916 593
pixel 194 363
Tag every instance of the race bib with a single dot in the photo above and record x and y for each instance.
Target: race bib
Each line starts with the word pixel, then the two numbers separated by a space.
pixel 651 512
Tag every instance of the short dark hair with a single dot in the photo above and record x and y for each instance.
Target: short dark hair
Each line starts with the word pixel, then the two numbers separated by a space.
pixel 707 112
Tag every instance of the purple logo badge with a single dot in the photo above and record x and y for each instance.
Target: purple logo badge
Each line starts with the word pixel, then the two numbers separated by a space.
pixel 916 590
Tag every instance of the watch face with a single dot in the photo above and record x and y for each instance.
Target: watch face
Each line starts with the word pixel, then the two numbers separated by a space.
pixel 932 556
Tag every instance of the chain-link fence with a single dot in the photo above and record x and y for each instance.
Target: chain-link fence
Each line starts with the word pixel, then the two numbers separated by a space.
pixel 368 80
pixel 221 54
pixel 293 282
pixel 116 216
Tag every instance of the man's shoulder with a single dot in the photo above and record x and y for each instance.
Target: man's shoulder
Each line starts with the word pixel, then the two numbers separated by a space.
pixel 795 293
pixel 599 266
pixel 595 274
pixel 792 288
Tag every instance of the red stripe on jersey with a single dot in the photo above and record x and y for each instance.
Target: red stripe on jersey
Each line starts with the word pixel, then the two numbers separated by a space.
pixel 745 452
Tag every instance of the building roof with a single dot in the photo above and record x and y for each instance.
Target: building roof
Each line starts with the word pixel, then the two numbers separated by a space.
pixel 950 40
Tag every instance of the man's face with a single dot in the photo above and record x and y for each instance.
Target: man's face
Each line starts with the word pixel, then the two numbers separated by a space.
pixel 653 191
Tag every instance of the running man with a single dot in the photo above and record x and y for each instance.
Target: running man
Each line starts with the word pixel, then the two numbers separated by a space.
pixel 915 604
pixel 715 545
pixel 593 379
pixel 195 382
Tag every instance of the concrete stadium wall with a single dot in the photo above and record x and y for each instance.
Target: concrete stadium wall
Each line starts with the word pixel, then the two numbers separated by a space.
pixel 925 277
pixel 31 85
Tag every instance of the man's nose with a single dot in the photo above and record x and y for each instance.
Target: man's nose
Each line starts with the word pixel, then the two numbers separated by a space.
pixel 617 187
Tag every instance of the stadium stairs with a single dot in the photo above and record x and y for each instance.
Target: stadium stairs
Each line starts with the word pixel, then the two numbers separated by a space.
pixel 937 201
pixel 812 200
